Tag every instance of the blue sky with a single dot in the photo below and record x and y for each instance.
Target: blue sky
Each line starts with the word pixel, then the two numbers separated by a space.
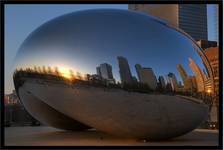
pixel 21 20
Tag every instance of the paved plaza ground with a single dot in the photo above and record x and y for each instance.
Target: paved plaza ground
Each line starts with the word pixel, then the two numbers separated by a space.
pixel 48 136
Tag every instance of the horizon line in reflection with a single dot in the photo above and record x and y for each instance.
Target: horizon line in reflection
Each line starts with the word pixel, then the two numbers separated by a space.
pixel 199 82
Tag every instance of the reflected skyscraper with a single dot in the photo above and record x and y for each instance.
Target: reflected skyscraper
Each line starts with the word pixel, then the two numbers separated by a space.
pixel 182 72
pixel 162 81
pixel 193 81
pixel 89 101
pixel 213 58
pixel 173 81
pixel 138 69
pixel 198 75
pixel 208 73
pixel 187 80
pixel 98 70
pixel 168 83
pixel 124 70
pixel 147 76
pixel 105 72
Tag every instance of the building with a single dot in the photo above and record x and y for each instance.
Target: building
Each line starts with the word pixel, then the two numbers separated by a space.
pixel 213 58
pixel 155 10
pixel 207 73
pixel 188 85
pixel 138 69
pixel 98 70
pixel 12 98
pixel 15 113
pixel 105 72
pixel 191 23
pixel 215 21
pixel 206 44
pixel 199 75
pixel 184 16
pixel 168 84
pixel 193 81
pixel 162 82
pixel 124 70
pixel 173 81
pixel 126 111
pixel 146 76
pixel 134 79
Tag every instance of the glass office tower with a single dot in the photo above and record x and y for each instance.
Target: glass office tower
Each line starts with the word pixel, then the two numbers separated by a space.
pixel 191 18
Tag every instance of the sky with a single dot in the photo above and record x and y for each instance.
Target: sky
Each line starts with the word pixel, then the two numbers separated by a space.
pixel 21 20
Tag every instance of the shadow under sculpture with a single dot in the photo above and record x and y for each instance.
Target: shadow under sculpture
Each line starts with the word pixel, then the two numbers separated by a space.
pixel 94 83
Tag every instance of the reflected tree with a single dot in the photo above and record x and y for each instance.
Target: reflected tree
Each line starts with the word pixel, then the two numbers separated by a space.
pixel 44 70
pixel 35 69
pixel 56 71
pixel 39 69
pixel 87 77
pixel 49 70
pixel 78 75
pixel 72 74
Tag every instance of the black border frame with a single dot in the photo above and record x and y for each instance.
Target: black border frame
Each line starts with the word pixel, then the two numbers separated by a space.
pixel 8 2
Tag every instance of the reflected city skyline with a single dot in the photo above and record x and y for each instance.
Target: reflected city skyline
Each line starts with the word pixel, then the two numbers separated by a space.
pixel 197 82
pixel 64 55
pixel 84 64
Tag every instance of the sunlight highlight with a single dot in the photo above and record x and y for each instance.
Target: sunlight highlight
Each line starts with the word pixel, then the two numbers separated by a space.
pixel 65 72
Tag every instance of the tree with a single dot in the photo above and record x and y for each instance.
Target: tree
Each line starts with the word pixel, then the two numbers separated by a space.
pixel 44 70
pixel 35 69
pixel 57 71
pixel 87 77
pixel 49 70
pixel 39 69
pixel 72 74
pixel 79 76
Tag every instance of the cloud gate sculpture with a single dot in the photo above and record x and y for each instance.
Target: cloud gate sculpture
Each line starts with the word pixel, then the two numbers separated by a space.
pixel 118 71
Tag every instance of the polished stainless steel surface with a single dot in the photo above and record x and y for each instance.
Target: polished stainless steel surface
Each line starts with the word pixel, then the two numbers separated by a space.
pixel 119 71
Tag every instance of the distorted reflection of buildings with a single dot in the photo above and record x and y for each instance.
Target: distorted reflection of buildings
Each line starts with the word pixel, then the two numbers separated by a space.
pixel 200 81
pixel 105 72
pixel 134 80
pixel 173 82
pixel 162 82
pixel 184 76
pixel 188 81
pixel 213 58
pixel 146 76
pixel 199 75
pixel 124 70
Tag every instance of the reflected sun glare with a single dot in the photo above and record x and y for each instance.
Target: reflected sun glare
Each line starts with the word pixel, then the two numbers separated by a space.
pixel 65 72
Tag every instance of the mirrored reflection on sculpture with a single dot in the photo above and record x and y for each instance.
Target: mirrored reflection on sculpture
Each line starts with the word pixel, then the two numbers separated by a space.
pixel 118 71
